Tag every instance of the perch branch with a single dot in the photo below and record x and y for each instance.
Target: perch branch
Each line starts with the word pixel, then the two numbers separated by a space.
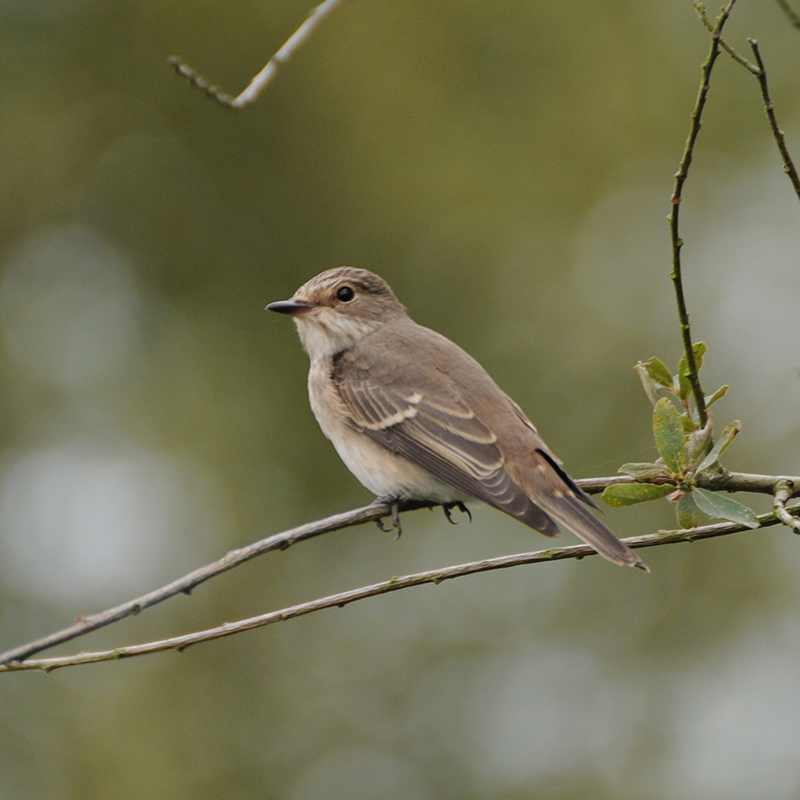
pixel 264 78
pixel 342 599
pixel 184 585
pixel 727 481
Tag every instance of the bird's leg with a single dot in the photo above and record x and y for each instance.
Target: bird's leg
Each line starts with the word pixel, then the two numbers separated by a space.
pixel 448 507
pixel 394 507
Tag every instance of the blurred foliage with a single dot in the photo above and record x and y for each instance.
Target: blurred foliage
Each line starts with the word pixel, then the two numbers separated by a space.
pixel 507 168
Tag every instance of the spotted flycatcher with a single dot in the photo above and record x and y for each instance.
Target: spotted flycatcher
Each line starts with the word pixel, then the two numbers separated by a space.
pixel 415 418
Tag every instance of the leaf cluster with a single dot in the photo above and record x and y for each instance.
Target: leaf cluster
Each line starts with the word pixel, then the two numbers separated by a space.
pixel 686 450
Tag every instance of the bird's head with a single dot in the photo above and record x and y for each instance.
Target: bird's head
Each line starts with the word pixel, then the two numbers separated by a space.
pixel 338 307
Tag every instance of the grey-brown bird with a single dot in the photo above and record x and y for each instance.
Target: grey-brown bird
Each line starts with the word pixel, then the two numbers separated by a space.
pixel 415 417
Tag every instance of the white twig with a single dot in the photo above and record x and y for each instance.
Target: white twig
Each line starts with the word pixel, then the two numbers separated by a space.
pixel 263 79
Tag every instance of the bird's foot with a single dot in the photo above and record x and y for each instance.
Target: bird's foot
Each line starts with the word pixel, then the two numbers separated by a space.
pixel 394 507
pixel 448 507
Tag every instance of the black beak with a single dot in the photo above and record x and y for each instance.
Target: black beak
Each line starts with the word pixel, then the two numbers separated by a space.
pixel 287 306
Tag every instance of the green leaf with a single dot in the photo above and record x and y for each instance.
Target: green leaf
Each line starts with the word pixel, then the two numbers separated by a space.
pixel 726 437
pixel 718 506
pixel 689 515
pixel 687 423
pixel 712 398
pixel 628 494
pixel 659 372
pixel 644 471
pixel 669 436
pixel 650 388
pixel 684 388
pixel 699 443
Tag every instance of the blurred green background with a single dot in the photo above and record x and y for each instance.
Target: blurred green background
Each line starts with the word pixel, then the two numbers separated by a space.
pixel 507 168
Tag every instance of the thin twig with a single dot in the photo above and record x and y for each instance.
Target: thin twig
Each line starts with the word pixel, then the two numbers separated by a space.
pixel 677 243
pixel 342 599
pixel 761 75
pixel 736 56
pixel 794 17
pixel 260 81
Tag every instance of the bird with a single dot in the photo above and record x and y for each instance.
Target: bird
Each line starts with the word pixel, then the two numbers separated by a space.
pixel 414 417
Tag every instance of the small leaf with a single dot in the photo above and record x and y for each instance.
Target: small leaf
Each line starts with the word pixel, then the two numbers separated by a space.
pixel 712 398
pixel 659 372
pixel 689 515
pixel 628 494
pixel 699 443
pixel 684 388
pixel 668 436
pixel 719 506
pixel 644 471
pixel 650 388
pixel 726 437
pixel 687 423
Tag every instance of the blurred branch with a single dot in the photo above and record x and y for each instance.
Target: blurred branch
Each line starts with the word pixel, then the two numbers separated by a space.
pixel 724 481
pixel 761 75
pixel 264 78
pixel 794 17
pixel 680 178
pixel 342 599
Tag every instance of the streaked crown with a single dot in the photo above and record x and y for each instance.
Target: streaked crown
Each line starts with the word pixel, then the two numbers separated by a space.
pixel 357 293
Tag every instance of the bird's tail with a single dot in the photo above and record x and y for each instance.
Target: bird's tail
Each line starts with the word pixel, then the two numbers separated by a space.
pixel 573 515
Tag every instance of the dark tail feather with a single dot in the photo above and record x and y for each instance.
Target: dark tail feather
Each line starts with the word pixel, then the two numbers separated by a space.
pixel 578 519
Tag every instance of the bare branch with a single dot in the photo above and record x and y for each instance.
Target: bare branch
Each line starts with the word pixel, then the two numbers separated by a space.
pixel 736 56
pixel 264 78
pixel 724 481
pixel 342 599
pixel 680 178
pixel 761 75
pixel 184 585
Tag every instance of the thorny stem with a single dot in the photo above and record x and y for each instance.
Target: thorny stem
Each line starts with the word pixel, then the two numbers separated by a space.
pixel 680 179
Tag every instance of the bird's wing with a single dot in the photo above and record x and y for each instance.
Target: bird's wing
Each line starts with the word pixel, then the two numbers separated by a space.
pixel 419 414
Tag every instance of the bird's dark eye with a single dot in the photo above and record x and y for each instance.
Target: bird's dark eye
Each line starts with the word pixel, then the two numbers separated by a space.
pixel 345 294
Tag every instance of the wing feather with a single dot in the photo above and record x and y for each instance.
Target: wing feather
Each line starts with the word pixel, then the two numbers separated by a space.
pixel 435 429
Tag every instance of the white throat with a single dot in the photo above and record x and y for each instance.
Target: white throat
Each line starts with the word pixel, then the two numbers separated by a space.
pixel 324 332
